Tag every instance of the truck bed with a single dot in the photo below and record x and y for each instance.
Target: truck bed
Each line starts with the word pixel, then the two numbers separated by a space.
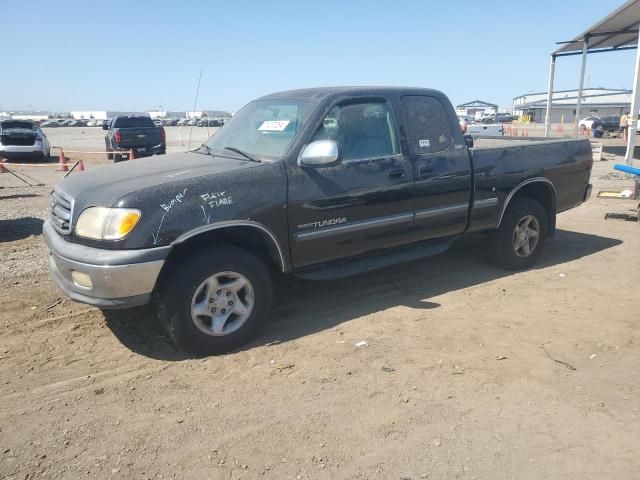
pixel 501 164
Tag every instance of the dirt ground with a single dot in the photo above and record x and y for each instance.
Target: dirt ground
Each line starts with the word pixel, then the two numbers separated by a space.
pixel 467 372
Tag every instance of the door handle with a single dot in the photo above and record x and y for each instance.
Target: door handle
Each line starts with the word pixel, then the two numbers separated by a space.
pixel 396 173
pixel 424 170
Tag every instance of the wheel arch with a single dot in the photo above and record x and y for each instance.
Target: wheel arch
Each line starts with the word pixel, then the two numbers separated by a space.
pixel 540 189
pixel 252 236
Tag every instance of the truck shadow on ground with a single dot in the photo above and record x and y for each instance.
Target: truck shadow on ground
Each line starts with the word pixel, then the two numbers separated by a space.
pixel 19 228
pixel 302 307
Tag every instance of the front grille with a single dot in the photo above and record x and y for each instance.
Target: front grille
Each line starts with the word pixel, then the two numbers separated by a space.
pixel 60 211
pixel 18 140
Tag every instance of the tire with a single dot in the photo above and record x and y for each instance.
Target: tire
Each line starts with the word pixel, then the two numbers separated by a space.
pixel 117 158
pixel 184 293
pixel 513 247
pixel 109 155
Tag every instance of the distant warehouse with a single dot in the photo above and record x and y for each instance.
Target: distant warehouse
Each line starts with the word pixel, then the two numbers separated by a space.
pixel 101 114
pixel 470 109
pixel 595 101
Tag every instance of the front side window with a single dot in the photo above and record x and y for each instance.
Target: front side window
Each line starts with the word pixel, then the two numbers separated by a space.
pixel 263 128
pixel 362 130
pixel 427 124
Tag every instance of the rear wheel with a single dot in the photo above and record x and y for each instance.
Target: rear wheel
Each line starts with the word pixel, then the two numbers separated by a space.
pixel 215 300
pixel 117 157
pixel 519 241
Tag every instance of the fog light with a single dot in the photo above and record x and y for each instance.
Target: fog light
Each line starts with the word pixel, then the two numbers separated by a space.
pixel 81 279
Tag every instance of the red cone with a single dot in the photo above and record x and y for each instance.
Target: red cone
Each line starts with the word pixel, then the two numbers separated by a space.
pixel 62 162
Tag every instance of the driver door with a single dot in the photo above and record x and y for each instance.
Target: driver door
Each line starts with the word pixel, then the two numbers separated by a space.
pixel 363 202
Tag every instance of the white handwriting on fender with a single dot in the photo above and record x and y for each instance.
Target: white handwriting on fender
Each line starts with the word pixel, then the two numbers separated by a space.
pixel 217 199
pixel 174 201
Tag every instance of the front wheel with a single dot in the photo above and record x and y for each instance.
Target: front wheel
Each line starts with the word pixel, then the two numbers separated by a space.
pixel 215 300
pixel 519 241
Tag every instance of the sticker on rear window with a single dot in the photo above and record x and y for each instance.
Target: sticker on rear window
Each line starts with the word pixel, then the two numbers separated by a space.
pixel 424 143
pixel 274 125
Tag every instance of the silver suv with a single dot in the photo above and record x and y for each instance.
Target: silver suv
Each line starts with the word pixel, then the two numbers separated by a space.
pixel 22 138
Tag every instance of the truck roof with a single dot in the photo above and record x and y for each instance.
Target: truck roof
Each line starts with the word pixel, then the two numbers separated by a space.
pixel 324 92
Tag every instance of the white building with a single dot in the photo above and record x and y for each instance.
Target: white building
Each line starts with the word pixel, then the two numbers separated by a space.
pixel 101 114
pixel 470 109
pixel 34 116
pixel 595 101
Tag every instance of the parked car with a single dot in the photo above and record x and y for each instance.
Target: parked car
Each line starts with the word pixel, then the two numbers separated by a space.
pixel 182 122
pixel 77 123
pixel 23 138
pixel 503 118
pixel 94 123
pixel 50 124
pixel 606 124
pixel 587 122
pixel 158 122
pixel 314 183
pixel 134 132
pixel 65 122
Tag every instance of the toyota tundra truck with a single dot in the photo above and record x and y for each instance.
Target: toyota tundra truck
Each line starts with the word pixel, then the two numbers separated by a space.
pixel 318 183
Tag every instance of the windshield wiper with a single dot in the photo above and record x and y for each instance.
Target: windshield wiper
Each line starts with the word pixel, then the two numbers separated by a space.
pixel 244 154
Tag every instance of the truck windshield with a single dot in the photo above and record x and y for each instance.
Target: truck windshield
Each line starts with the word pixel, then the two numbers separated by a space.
pixel 133 122
pixel 264 128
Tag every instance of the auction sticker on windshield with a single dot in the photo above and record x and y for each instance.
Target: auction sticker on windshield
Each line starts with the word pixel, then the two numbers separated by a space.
pixel 274 125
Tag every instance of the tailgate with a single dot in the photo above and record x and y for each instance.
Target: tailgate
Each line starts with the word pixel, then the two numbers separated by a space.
pixel 140 137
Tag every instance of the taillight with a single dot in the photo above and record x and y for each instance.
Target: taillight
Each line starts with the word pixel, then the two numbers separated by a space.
pixel 163 134
pixel 117 136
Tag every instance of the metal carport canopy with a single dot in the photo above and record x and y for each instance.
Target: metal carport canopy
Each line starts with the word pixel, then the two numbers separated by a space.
pixel 617 31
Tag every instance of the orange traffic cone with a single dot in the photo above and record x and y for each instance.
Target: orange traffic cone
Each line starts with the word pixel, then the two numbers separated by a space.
pixel 62 162
pixel 131 155
pixel 80 166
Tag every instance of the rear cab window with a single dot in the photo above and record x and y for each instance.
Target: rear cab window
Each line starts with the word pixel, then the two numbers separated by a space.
pixel 428 126
pixel 362 130
pixel 133 122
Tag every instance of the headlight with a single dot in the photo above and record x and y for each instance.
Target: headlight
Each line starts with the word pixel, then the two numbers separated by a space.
pixel 107 223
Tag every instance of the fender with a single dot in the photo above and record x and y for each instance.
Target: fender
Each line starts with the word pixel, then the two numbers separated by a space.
pixel 235 223
pixel 519 186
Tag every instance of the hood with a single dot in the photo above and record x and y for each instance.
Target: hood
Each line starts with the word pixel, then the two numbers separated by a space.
pixel 106 184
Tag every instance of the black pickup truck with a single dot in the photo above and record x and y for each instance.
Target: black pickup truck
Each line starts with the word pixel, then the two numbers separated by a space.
pixel 133 132
pixel 320 183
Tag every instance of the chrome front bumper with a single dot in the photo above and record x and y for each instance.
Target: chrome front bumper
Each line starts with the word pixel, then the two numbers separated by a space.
pixel 118 278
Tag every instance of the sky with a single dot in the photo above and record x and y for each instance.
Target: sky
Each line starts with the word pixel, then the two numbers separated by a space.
pixel 140 55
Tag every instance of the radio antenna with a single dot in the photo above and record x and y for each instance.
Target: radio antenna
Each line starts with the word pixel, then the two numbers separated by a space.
pixel 195 103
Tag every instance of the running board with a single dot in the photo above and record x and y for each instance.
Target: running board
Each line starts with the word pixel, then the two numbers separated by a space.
pixel 376 261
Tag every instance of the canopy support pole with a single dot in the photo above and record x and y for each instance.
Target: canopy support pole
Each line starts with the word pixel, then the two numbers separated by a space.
pixel 547 117
pixel 583 64
pixel 633 113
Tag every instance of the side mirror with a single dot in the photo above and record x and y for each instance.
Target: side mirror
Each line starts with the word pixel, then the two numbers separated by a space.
pixel 319 154
pixel 468 141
